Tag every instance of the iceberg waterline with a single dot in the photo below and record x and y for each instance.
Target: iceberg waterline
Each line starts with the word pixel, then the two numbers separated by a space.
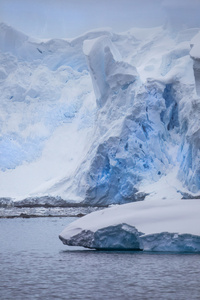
pixel 159 225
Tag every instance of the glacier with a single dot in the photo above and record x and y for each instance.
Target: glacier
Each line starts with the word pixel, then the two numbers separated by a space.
pixel 143 127
pixel 99 118
pixel 105 119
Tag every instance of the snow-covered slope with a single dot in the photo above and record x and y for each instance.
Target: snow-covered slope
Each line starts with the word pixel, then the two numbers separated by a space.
pixel 98 118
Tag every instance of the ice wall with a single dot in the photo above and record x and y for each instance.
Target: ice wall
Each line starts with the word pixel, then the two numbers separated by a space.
pixel 189 153
pixel 96 118
pixel 135 129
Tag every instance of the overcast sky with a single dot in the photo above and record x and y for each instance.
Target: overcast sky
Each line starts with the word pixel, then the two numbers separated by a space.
pixel 70 18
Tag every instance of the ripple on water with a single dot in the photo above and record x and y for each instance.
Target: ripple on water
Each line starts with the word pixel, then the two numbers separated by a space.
pixel 36 265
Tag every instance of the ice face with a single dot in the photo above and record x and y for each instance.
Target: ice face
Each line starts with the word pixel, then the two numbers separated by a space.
pixel 195 55
pixel 135 136
pixel 196 67
pixel 126 237
pixel 171 242
pixel 119 237
pixel 109 73
pixel 95 118
pixel 142 142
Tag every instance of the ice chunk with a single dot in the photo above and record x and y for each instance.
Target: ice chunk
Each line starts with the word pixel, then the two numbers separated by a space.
pixel 171 242
pixel 126 237
pixel 119 237
pixel 108 71
pixel 150 226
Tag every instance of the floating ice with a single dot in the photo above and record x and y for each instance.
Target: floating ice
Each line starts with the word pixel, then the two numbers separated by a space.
pixel 160 225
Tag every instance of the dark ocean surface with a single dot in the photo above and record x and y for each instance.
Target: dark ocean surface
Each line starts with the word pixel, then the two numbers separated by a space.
pixel 34 264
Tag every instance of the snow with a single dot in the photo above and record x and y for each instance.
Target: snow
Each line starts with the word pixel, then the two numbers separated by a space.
pixel 107 69
pixel 106 118
pixel 195 55
pixel 158 225
pixel 100 118
pixel 195 44
pixel 39 103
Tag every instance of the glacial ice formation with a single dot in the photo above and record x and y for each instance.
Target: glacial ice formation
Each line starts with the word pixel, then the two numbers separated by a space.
pixel 99 118
pixel 195 55
pixel 160 225
pixel 119 237
pixel 142 128
pixel 109 73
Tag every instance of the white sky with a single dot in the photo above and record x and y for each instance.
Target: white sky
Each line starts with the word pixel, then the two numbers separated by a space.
pixel 69 18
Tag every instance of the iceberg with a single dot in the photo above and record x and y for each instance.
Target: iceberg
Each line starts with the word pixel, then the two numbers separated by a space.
pixel 159 225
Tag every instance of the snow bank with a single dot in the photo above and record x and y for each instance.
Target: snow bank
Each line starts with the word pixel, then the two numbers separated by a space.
pixel 159 225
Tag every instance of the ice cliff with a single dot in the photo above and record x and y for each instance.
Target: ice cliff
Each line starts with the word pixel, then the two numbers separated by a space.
pixel 100 118
pixel 195 55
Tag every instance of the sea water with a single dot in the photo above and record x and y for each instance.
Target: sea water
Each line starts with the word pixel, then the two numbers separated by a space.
pixel 34 264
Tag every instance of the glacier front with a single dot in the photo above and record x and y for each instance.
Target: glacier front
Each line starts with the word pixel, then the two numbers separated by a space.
pixel 102 118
